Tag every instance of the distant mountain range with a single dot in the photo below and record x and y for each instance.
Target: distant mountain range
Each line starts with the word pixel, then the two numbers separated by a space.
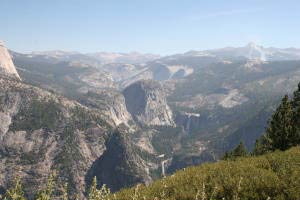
pixel 101 57
pixel 250 51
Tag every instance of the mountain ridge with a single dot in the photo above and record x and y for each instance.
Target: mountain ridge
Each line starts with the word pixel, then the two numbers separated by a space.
pixel 7 66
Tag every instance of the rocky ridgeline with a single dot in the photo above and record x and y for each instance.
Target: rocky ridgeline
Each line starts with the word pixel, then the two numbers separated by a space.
pixel 7 67
pixel 41 132
pixel 111 103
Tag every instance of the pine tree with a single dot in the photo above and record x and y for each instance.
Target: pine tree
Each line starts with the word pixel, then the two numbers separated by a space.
pixel 65 195
pixel 46 194
pixel 296 116
pixel 261 146
pixel 104 192
pixel 295 138
pixel 16 192
pixel 93 192
pixel 296 98
pixel 98 194
pixel 279 134
pixel 227 155
pixel 240 150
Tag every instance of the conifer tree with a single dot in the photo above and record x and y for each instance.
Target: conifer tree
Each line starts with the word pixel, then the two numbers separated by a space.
pixel 93 192
pixel 16 192
pixel 240 150
pixel 261 146
pixel 227 155
pixel 280 133
pixel 98 194
pixel 46 194
pixel 65 195
pixel 296 116
pixel 296 98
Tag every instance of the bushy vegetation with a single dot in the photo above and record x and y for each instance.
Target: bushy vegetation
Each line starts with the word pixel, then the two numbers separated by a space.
pixel 239 151
pixel 271 176
pixel 53 190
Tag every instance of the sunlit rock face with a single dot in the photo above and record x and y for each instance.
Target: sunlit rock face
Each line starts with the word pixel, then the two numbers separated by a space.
pixel 146 101
pixel 188 121
pixel 7 67
pixel 110 102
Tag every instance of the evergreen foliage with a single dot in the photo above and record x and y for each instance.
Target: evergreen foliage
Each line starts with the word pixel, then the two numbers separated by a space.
pixel 283 131
pixel 280 133
pixel 16 192
pixel 271 176
pixel 98 194
pixel 47 193
pixel 239 151
pixel 65 195
pixel 296 117
pixel 261 146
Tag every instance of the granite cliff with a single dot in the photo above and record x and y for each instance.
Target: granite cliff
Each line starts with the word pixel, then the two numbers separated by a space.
pixel 146 101
pixel 7 67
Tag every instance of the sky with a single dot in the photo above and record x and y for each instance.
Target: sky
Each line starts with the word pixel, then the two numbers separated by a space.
pixel 148 26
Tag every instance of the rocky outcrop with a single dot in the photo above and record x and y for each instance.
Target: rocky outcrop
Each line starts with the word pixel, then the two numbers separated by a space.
pixel 188 121
pixel 146 101
pixel 7 67
pixel 111 103
pixel 41 132
pixel 120 166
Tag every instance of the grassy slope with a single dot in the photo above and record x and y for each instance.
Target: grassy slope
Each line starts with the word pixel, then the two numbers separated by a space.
pixel 272 176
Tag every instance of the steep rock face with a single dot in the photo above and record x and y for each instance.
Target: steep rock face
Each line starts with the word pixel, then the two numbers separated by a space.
pixel 7 67
pixel 120 166
pixel 146 102
pixel 40 132
pixel 110 102
pixel 189 121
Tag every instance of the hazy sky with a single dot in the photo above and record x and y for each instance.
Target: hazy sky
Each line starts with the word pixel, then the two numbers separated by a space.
pixel 155 26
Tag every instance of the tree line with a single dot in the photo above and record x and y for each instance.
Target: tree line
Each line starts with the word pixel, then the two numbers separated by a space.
pixel 282 133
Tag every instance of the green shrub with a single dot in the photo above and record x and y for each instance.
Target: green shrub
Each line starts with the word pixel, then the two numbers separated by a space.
pixel 15 192
pixel 273 176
